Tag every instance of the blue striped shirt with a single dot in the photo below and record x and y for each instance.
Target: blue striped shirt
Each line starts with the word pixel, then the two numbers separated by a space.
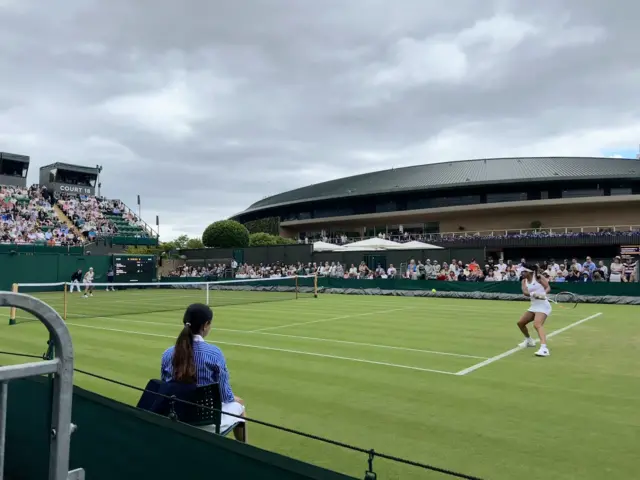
pixel 211 367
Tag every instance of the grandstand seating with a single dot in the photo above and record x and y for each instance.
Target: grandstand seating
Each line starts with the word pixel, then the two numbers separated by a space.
pixel 27 216
pixel 32 216
pixel 99 217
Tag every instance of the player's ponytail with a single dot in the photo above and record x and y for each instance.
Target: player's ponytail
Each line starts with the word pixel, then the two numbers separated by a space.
pixel 184 367
pixel 195 319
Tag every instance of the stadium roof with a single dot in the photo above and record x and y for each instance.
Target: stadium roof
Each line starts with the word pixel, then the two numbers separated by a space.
pixel 70 166
pixel 458 174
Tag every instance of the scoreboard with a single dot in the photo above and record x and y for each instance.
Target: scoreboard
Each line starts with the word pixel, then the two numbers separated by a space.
pixel 134 268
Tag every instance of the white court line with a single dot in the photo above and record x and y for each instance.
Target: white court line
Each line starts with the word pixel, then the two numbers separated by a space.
pixel 259 347
pixel 332 319
pixel 328 340
pixel 489 361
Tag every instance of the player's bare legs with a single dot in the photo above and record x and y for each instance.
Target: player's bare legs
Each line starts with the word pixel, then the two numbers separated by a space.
pixel 538 324
pixel 527 318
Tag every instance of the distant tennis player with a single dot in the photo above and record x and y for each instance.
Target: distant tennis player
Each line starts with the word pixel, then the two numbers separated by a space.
pixel 536 287
pixel 88 283
pixel 75 280
pixel 110 276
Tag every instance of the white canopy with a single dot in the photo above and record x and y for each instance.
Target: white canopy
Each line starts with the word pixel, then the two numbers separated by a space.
pixel 325 247
pixel 415 245
pixel 371 244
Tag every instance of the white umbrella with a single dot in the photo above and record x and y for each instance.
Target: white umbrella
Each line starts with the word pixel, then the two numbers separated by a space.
pixel 325 247
pixel 415 245
pixel 372 244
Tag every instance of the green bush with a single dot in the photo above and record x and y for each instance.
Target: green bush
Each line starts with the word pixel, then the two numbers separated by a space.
pixel 226 234
pixel 261 239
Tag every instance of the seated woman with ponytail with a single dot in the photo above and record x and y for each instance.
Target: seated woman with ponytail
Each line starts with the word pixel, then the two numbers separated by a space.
pixel 194 361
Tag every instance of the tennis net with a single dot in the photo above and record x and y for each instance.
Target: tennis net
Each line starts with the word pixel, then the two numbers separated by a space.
pixel 115 299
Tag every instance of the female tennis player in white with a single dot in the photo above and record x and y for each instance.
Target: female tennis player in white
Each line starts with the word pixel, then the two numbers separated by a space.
pixel 536 287
pixel 88 283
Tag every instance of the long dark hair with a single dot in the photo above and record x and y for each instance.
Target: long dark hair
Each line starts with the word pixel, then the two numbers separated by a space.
pixel 535 269
pixel 195 318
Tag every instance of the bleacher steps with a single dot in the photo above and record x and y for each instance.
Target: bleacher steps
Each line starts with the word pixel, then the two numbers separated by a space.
pixel 63 218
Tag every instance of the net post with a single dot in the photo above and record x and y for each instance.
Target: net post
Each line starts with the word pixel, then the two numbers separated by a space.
pixel 12 314
pixel 297 287
pixel 66 297
pixel 208 298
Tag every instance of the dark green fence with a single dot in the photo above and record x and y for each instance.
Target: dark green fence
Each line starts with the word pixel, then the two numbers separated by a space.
pixel 125 240
pixel 47 268
pixel 115 440
pixel 40 248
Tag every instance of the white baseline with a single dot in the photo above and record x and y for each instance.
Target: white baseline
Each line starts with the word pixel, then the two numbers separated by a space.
pixel 475 367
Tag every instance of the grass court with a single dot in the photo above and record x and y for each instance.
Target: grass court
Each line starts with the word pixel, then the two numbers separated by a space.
pixel 435 380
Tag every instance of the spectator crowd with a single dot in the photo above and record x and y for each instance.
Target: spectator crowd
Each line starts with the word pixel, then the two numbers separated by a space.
pixel 208 272
pixel 574 271
pixel 26 216
pixel 618 270
pixel 91 215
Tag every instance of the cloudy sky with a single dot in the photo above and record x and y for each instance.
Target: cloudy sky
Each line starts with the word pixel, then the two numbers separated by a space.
pixel 204 106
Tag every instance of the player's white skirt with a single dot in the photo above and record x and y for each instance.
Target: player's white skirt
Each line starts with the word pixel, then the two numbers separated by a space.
pixel 227 421
pixel 540 307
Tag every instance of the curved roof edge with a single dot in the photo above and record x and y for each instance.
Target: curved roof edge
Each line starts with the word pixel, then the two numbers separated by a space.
pixel 455 174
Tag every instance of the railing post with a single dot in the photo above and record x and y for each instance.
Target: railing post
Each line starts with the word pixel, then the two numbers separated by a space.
pixel 62 368
pixel 4 391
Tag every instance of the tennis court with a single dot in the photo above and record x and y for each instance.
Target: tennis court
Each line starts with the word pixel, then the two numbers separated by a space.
pixel 435 380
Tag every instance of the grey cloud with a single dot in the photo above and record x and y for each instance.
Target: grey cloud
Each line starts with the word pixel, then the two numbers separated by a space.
pixel 205 107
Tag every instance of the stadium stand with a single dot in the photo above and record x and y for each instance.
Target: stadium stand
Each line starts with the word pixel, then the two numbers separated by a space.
pixel 124 221
pixel 100 217
pixel 28 217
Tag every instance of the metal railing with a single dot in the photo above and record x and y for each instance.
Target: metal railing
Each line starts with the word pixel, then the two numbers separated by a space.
pixel 147 228
pixel 493 233
pixel 60 366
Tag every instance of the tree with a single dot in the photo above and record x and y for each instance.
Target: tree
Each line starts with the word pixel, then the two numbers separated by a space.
pixel 226 234
pixel 181 242
pixel 194 243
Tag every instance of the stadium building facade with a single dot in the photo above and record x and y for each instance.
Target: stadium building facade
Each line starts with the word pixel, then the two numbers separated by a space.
pixel 497 194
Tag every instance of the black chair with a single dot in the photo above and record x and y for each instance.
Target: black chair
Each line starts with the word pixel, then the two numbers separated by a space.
pixel 168 399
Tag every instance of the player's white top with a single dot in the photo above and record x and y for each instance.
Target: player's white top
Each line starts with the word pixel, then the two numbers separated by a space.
pixel 88 277
pixel 535 289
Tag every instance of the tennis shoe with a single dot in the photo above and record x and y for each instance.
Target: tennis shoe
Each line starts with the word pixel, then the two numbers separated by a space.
pixel 543 352
pixel 529 342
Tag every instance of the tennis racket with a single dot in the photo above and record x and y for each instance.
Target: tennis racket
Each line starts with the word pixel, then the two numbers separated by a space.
pixel 564 300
